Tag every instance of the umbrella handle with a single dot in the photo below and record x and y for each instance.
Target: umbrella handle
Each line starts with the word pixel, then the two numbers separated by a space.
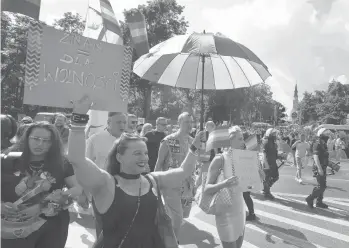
pixel 202 93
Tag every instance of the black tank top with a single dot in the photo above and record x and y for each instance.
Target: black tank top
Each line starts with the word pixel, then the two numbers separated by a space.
pixel 116 221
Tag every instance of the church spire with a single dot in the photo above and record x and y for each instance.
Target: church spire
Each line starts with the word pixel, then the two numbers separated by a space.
pixel 295 92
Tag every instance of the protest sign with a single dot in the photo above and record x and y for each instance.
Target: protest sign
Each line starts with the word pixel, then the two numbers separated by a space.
pixel 61 67
pixel 245 165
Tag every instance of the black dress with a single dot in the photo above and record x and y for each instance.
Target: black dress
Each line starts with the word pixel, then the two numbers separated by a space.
pixel 116 221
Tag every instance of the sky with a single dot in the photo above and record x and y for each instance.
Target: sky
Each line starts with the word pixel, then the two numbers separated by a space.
pixel 301 41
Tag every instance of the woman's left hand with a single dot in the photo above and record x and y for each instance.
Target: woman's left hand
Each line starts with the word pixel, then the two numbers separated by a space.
pixel 199 137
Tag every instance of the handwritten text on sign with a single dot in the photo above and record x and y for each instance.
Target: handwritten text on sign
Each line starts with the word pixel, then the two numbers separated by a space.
pixel 72 66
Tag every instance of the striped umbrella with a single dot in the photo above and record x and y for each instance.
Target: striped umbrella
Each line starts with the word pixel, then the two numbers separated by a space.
pixel 201 61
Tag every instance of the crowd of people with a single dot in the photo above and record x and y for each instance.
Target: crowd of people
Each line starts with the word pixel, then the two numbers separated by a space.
pixel 123 171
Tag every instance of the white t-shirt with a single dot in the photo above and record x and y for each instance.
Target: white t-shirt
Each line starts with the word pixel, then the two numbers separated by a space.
pixel 98 147
pixel 301 149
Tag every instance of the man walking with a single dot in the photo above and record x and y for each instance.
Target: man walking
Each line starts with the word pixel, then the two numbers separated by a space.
pixel 321 156
pixel 173 150
pixel 301 148
pixel 154 138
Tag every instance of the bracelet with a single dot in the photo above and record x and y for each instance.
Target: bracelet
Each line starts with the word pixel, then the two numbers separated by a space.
pixel 80 118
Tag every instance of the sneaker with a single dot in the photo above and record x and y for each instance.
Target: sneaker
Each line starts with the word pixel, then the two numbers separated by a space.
pixel 310 202
pixel 321 205
pixel 300 180
pixel 296 178
pixel 250 217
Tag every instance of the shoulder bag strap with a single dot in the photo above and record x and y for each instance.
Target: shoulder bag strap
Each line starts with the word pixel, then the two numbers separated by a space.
pixel 133 219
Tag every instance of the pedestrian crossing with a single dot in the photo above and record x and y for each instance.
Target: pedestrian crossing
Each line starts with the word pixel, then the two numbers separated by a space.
pixel 285 222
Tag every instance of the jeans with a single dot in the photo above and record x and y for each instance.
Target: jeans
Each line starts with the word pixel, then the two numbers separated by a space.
pixel 271 176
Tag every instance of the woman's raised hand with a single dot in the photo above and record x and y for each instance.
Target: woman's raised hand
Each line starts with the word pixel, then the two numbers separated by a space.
pixel 83 105
pixel 230 182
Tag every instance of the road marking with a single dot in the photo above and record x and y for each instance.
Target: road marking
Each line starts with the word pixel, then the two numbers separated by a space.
pixel 206 227
pixel 306 226
pixel 312 178
pixel 338 211
pixel 337 201
pixel 79 236
pixel 320 217
pixel 282 236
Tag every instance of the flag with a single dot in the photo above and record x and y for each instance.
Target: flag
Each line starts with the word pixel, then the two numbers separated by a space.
pixel 101 23
pixel 94 21
pixel 111 30
pixel 26 7
pixel 217 139
pixel 252 143
pixel 138 30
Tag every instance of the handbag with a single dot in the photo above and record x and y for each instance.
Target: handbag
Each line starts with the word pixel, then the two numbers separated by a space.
pixel 215 203
pixel 163 220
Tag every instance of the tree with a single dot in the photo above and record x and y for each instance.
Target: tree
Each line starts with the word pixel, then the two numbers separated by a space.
pixel 335 106
pixel 281 114
pixel 70 23
pixel 164 19
pixel 331 106
pixel 14 45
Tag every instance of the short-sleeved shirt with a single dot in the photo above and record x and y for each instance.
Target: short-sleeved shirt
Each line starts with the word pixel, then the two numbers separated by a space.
pixel 301 149
pixel 11 180
pixel 98 147
pixel 153 143
pixel 322 152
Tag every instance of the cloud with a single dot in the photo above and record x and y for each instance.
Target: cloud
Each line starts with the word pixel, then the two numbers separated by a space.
pixel 321 8
pixel 342 79
pixel 295 48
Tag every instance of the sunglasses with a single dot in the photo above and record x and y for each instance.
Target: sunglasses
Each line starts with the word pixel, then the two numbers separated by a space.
pixel 39 140
pixel 134 122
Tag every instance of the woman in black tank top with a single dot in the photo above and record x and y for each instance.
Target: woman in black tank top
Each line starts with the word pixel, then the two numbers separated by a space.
pixel 125 201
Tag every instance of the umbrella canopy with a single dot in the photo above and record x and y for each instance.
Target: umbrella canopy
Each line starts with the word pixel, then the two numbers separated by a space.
pixel 178 62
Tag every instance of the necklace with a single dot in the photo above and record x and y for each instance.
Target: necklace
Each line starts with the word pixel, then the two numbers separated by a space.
pixel 36 166
pixel 129 176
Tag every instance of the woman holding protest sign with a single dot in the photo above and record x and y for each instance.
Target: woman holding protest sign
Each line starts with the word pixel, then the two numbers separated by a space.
pixel 230 224
pixel 129 203
pixel 34 204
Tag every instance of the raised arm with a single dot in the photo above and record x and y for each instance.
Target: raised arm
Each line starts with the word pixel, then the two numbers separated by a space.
pixel 173 178
pixel 162 155
pixel 88 175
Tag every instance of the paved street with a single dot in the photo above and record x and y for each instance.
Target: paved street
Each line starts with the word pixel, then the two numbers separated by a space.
pixel 284 222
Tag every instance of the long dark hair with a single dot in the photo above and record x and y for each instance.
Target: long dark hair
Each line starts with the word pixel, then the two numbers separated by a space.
pixel 54 158
pixel 119 147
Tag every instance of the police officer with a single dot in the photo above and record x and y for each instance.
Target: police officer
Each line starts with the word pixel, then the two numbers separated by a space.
pixel 321 156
